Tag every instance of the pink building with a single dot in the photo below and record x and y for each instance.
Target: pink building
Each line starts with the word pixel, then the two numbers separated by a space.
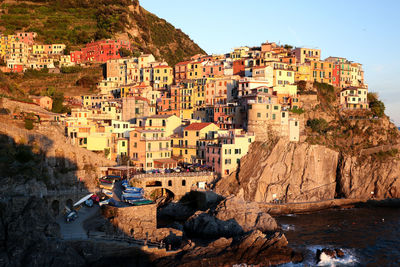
pixel 213 69
pixel 26 37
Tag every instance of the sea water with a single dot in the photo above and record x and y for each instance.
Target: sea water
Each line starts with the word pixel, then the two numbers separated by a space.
pixel 367 236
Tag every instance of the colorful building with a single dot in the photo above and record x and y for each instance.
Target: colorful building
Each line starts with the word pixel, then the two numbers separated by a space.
pixel 224 156
pixel 186 145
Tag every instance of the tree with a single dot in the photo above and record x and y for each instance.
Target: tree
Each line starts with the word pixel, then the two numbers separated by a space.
pixel 318 125
pixel 123 52
pixel 377 107
pixel 28 124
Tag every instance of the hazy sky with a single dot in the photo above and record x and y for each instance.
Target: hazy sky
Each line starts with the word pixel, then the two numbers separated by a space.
pixel 366 31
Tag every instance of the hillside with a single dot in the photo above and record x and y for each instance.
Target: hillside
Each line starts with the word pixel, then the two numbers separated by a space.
pixel 76 22
pixel 343 154
pixel 35 82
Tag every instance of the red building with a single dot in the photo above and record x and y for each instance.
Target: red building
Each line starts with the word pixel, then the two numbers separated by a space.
pixel 77 57
pixel 100 51
pixel 238 67
pixel 335 74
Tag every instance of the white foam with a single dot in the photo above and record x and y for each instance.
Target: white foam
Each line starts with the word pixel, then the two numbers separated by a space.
pixel 347 260
pixel 288 227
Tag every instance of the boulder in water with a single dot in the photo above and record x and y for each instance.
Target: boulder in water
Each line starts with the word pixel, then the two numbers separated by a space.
pixel 332 253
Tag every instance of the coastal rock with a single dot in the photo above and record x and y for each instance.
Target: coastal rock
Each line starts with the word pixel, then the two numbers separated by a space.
pixel 290 172
pixel 254 248
pixel 247 214
pixel 232 217
pixel 205 225
pixel 301 172
pixel 359 176
pixel 176 211
pixel 332 253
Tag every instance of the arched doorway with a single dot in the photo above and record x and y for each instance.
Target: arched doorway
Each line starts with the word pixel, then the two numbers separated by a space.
pixel 55 207
pixel 69 203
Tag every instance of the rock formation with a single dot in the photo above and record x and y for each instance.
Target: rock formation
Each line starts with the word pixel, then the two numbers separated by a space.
pixel 299 172
pixel 253 248
pixel 232 217
pixel 284 171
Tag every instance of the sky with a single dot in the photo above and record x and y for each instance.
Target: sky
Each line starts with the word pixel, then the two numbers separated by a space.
pixel 367 32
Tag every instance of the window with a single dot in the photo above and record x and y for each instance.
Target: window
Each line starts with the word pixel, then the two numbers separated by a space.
pixel 258 115
pixel 183 182
pixel 197 133
pixel 123 143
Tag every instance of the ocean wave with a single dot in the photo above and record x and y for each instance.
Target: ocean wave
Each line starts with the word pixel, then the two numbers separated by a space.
pixel 347 260
pixel 287 227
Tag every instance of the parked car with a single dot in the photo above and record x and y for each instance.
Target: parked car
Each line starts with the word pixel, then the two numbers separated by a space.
pixel 71 216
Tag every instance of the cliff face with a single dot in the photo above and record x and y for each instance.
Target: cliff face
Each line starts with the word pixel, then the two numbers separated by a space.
pixel 359 176
pixel 297 172
pixel 42 159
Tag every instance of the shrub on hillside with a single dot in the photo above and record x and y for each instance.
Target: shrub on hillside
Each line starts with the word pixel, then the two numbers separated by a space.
pixel 377 107
pixel 72 69
pixel 318 125
pixel 123 52
pixel 297 110
pixel 327 91
pixel 28 124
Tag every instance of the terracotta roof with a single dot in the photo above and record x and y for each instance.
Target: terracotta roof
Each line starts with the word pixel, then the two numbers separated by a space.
pixel 197 126
pixel 161 66
pixel 183 63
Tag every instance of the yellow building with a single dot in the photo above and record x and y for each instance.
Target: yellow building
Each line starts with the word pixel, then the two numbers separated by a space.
pixel 38 49
pixel 168 124
pixel 187 100
pixel 187 146
pixel 322 71
pixel 194 70
pixel 163 77
pixel 303 73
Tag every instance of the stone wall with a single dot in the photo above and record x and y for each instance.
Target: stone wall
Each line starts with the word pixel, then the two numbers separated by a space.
pixel 139 222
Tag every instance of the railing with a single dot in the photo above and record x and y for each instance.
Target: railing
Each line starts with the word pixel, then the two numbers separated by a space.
pixel 174 174
pixel 119 238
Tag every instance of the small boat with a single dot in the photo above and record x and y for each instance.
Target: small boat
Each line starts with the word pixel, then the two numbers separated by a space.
pixel 134 190
pixel 107 192
pixel 125 183
pixel 141 202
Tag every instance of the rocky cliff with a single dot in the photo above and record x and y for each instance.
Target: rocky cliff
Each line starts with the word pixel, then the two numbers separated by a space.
pixel 298 172
pixel 42 159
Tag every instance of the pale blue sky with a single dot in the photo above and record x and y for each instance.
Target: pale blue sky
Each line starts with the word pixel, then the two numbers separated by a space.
pixel 367 31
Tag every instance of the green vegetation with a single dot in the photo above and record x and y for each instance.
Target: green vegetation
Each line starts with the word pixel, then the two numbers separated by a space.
pixel 326 91
pixel 76 23
pixel 123 52
pixel 28 124
pixel 386 155
pixel 297 110
pixel 377 107
pixel 72 69
pixel 58 99
pixel 320 126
